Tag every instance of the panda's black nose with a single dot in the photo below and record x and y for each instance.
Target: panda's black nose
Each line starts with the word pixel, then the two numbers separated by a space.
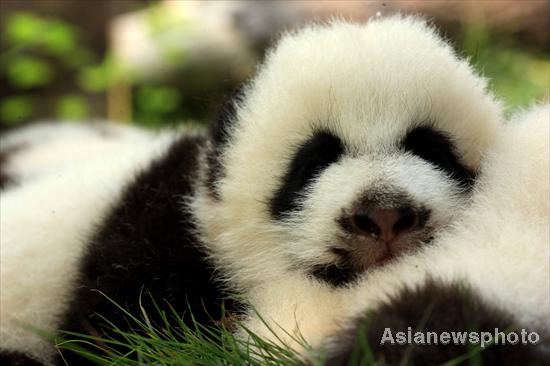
pixel 385 224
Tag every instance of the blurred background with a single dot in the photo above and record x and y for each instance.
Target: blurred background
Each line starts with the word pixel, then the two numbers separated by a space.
pixel 166 62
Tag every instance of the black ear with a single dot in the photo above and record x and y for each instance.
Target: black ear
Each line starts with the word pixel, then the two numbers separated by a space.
pixel 220 134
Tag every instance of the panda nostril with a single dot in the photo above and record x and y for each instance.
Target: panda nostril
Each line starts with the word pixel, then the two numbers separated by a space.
pixel 408 219
pixel 364 223
pixel 385 224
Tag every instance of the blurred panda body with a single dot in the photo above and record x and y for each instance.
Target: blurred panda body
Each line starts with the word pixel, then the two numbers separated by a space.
pixel 362 158
pixel 124 236
pixel 50 147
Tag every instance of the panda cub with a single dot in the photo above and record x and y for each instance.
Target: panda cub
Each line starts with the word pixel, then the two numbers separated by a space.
pixel 490 270
pixel 354 145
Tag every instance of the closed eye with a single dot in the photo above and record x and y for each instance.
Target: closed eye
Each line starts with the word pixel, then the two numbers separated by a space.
pixel 438 149
pixel 311 158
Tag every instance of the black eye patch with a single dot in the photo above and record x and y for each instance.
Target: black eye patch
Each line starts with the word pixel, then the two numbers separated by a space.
pixel 438 149
pixel 311 158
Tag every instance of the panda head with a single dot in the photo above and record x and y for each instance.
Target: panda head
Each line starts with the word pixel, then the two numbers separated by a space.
pixel 354 144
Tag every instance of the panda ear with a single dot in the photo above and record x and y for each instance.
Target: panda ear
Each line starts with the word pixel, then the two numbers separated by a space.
pixel 220 135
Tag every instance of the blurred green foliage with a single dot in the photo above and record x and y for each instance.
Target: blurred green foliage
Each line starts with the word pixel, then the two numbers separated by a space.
pixel 72 107
pixel 27 72
pixel 517 76
pixel 25 29
pixel 39 52
pixel 156 104
pixel 96 78
pixel 16 108
pixel 37 48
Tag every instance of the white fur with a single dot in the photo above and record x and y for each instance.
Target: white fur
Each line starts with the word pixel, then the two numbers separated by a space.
pixel 45 225
pixel 501 248
pixel 47 147
pixel 367 84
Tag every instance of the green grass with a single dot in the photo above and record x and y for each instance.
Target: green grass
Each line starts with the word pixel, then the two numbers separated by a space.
pixel 176 343
pixel 173 342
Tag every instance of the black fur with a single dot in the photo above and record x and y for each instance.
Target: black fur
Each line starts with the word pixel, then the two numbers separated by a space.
pixel 14 358
pixel 147 246
pixel 6 180
pixel 438 149
pixel 220 133
pixel 433 307
pixel 336 275
pixel 316 154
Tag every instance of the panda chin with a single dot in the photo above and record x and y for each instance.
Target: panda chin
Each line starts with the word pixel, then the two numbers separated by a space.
pixel 352 263
pixel 334 274
pixel 340 275
pixel 347 270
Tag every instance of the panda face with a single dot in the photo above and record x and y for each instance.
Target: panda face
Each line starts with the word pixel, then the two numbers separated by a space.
pixel 353 145
pixel 347 212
